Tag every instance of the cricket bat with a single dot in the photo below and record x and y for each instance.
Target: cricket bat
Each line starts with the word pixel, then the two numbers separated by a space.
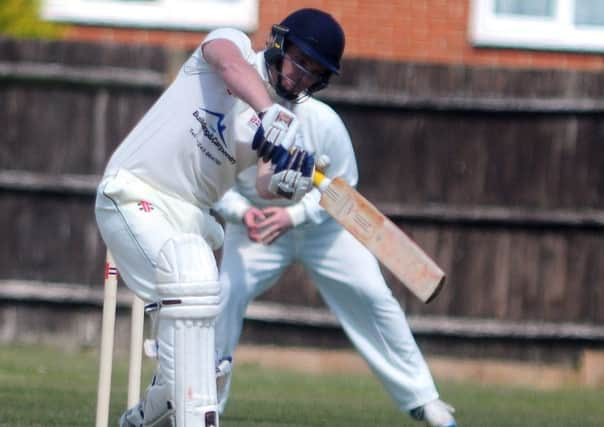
pixel 391 246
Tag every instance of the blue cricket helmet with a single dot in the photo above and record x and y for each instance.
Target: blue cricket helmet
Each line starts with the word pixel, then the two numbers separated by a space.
pixel 318 35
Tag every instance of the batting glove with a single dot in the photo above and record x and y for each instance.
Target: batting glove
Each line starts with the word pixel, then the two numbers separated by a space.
pixel 277 129
pixel 293 173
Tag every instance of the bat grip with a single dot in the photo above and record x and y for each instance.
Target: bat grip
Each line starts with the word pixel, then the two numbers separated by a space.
pixel 320 180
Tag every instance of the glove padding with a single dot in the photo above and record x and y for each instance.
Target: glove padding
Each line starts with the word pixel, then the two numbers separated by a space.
pixel 277 129
pixel 293 173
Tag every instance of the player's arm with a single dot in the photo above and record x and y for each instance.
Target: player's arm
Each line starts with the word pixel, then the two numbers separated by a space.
pixel 235 208
pixel 232 206
pixel 239 75
pixel 278 126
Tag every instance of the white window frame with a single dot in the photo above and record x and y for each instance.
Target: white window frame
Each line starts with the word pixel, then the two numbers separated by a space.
pixel 558 33
pixel 165 14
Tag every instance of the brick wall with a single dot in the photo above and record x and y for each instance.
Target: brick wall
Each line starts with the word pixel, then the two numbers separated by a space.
pixel 428 31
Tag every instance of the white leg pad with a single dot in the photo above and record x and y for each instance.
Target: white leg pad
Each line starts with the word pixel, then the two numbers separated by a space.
pixel 189 291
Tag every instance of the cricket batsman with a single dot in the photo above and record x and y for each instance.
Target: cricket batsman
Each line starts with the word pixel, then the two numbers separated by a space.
pixel 263 237
pixel 216 119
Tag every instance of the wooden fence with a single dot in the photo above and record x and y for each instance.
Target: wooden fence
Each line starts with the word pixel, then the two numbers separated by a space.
pixel 497 173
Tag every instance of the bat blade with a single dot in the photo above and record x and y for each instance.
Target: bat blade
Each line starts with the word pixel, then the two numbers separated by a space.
pixel 390 245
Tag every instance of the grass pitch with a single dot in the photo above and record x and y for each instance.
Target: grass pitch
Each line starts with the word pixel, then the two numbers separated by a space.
pixel 44 387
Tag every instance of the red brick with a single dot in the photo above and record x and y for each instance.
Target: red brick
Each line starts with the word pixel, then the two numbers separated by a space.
pixel 407 30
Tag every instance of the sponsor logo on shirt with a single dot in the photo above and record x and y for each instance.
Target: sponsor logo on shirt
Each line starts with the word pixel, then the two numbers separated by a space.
pixel 213 132
pixel 219 127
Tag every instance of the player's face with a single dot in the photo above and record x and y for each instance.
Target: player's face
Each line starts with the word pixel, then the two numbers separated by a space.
pixel 299 71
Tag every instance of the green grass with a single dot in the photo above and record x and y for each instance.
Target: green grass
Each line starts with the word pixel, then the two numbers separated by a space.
pixel 44 387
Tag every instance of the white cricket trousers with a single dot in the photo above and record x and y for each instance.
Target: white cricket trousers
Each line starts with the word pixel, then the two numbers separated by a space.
pixel 161 246
pixel 136 220
pixel 349 279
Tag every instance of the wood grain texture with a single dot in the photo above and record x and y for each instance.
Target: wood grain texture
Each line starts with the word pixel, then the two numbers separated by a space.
pixel 496 173
pixel 395 250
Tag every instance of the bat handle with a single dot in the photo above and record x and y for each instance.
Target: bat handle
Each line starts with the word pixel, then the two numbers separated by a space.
pixel 320 180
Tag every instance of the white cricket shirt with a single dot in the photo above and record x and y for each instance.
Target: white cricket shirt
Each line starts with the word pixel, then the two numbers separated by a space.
pixel 187 144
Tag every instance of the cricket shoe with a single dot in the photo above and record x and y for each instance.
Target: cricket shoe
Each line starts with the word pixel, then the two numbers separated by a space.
pixel 133 417
pixel 435 413
pixel 223 382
